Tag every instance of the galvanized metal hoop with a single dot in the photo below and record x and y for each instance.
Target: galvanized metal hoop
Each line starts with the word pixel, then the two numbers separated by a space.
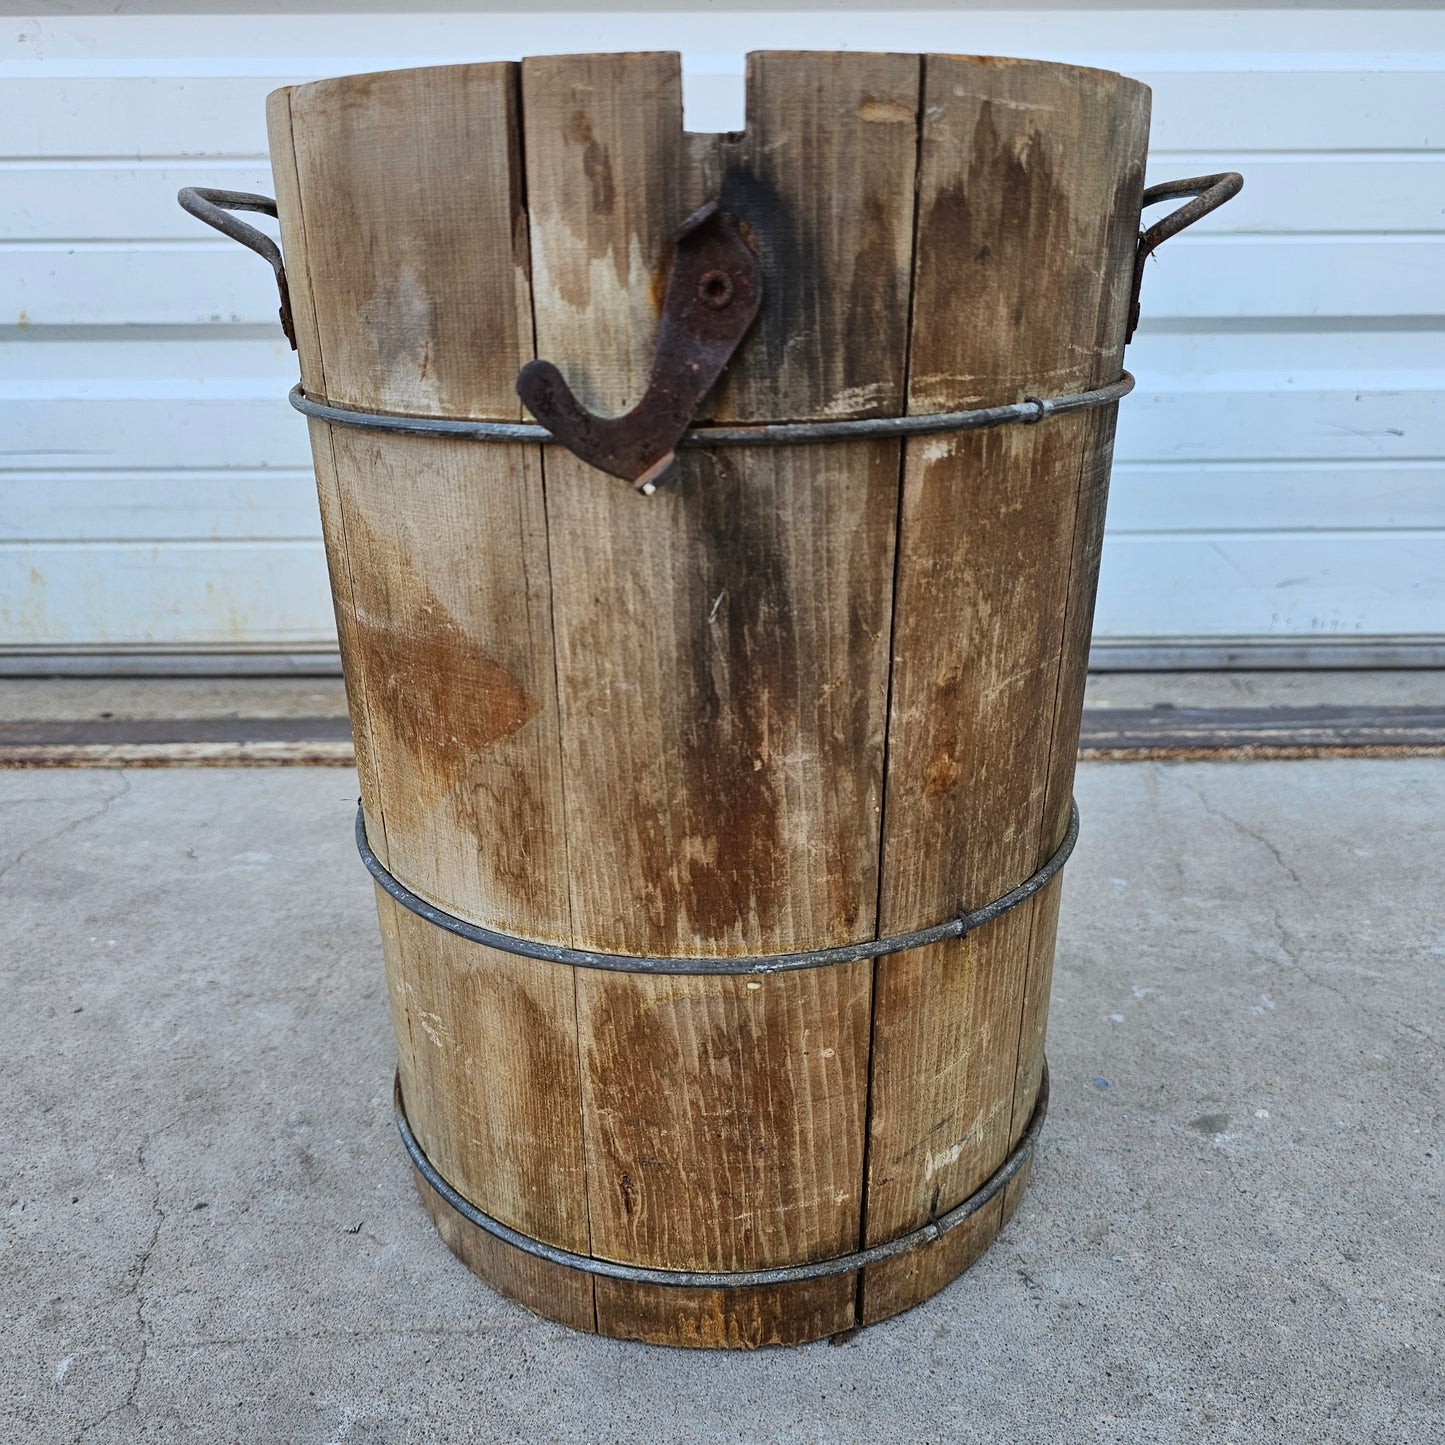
pixel 780 433
pixel 962 924
pixel 935 1229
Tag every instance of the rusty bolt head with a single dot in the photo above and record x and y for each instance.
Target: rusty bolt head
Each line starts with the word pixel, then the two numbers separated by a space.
pixel 715 289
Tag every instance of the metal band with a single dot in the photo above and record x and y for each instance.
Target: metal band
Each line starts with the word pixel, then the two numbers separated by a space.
pixel 783 433
pixel 740 1278
pixel 956 927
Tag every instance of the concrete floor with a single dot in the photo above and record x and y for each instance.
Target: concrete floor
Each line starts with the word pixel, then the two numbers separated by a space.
pixel 1233 1232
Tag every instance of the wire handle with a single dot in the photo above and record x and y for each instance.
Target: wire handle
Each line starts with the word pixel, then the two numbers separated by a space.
pixel 1208 194
pixel 215 207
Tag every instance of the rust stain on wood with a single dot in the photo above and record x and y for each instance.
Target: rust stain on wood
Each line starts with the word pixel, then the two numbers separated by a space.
pixel 442 698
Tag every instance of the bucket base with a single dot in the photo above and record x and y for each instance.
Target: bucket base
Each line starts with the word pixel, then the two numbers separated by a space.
pixel 785 1306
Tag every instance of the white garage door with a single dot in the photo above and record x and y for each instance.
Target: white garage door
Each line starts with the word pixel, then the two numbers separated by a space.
pixel 1279 472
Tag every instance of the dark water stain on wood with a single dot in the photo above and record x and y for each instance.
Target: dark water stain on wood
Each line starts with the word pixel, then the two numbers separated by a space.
pixel 596 163
pixel 1001 237
pixel 738 669
pixel 789 316
pixel 872 313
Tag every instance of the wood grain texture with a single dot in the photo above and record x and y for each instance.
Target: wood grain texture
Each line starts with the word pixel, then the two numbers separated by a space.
pixel 721 661
pixel 723 698
pixel 1029 187
pixel 823 175
pixel 405 218
pixel 313 377
pixel 417 243
pixel 487 1058
pixel 734 1319
pixel 549 1289
pixel 721 654
pixel 487 1061
pixel 757 1161
pixel 607 186
pixel 452 642
pixel 447 644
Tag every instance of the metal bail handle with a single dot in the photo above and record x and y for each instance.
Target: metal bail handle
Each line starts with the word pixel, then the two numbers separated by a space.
pixel 714 289
pixel 1209 194
pixel 215 207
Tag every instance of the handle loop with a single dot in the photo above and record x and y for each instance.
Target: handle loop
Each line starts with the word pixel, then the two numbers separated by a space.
pixel 215 207
pixel 1208 192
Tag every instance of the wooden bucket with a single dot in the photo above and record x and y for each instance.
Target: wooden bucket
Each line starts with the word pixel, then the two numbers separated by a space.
pixel 804 696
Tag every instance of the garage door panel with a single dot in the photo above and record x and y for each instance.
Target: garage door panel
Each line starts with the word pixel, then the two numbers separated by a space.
pixel 1319 193
pixel 1296 496
pixel 1216 109
pixel 128 593
pixel 1272 585
pixel 116 200
pixel 1278 468
pixel 171 505
pixel 205 282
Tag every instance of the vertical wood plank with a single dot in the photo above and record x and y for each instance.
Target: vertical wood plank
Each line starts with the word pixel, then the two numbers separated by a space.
pixel 410 186
pixel 452 639
pixel 487 1061
pixel 823 174
pixel 722 654
pixel 405 214
pixel 313 378
pixel 487 1056
pixel 607 185
pixel 1068 714
pixel 417 239
pixel 1029 187
pixel 721 649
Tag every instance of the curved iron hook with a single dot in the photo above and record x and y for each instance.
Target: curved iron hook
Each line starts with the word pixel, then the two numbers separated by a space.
pixel 714 289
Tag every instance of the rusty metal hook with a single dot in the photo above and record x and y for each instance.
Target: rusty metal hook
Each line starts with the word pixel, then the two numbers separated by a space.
pixel 1208 192
pixel 714 289
pixel 214 208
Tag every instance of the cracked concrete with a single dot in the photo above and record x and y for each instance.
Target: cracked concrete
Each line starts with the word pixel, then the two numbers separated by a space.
pixel 1232 1231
